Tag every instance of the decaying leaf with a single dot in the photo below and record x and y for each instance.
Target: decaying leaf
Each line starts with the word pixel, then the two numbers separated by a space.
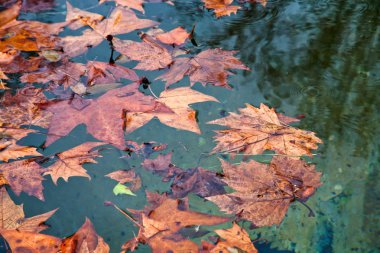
pixel 78 18
pixel 124 110
pixel 159 228
pixel 23 109
pixel 208 67
pixel 221 7
pixel 69 163
pixel 24 176
pixel 12 216
pixel 176 36
pixel 8 147
pixel 234 239
pixel 102 72
pixel 150 53
pixel 202 182
pixel 257 129
pixel 264 192
pixel 126 176
pixel 85 240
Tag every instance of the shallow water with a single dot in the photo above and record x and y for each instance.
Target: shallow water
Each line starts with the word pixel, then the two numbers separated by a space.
pixel 318 59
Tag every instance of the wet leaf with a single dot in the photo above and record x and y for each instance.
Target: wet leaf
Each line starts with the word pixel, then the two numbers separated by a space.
pixel 221 7
pixel 264 192
pixel 133 4
pixel 24 176
pixel 122 189
pixel 257 129
pixel 69 163
pixel 208 67
pixel 126 176
pixel 12 216
pixel 102 72
pixel 176 36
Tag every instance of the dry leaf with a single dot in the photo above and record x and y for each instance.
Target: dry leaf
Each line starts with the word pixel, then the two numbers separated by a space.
pixel 126 176
pixel 264 192
pixel 69 163
pixel 257 129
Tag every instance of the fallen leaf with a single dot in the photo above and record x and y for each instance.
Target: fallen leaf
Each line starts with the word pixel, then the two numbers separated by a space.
pixel 150 53
pixel 264 192
pixel 122 189
pixel 12 216
pixel 235 238
pixel 208 67
pixel 10 13
pixel 21 241
pixel 23 109
pixel 78 18
pixel 85 240
pixel 37 5
pixel 73 46
pixel 176 36
pixel 103 116
pixel 8 147
pixel 257 129
pixel 196 180
pixel 24 176
pixel 126 176
pixel 69 163
pixel 221 7
pixel 102 72
pixel 160 227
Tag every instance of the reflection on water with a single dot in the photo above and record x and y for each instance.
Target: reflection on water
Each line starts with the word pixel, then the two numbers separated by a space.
pixel 317 59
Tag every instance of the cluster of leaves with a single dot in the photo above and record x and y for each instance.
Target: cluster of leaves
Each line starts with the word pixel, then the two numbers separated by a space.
pixel 34 50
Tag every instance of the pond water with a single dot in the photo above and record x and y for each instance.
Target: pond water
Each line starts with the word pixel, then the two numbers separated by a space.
pixel 317 58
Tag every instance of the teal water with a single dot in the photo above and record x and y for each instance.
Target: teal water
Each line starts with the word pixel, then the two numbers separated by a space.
pixel 317 58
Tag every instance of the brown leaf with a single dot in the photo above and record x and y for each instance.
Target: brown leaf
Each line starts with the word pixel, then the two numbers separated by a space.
pixel 22 109
pixel 79 18
pixel 208 67
pixel 221 7
pixel 76 45
pixel 150 53
pixel 234 238
pixel 12 216
pixel 104 116
pixel 85 240
pixel 102 72
pixel 21 241
pixel 8 147
pixel 176 36
pixel 121 21
pixel 126 176
pixel 160 227
pixel 197 180
pixel 264 192
pixel 10 13
pixel 37 5
pixel 257 129
pixel 178 101
pixel 24 176
pixel 69 163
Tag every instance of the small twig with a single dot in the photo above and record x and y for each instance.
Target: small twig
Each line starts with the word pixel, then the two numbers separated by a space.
pixel 150 89
pixel 109 203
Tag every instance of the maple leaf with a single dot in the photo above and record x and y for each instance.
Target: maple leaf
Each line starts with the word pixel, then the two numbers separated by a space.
pixel 160 227
pixel 85 240
pixel 8 147
pixel 21 241
pixel 133 4
pixel 76 45
pixel 103 120
pixel 12 216
pixel 197 180
pixel 78 18
pixel 102 72
pixel 257 129
pixel 234 238
pixel 10 13
pixel 24 176
pixel 150 53
pixel 103 116
pixel 264 192
pixel 176 36
pixel 23 109
pixel 65 73
pixel 178 100
pixel 70 162
pixel 126 176
pixel 221 7
pixel 120 21
pixel 208 67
